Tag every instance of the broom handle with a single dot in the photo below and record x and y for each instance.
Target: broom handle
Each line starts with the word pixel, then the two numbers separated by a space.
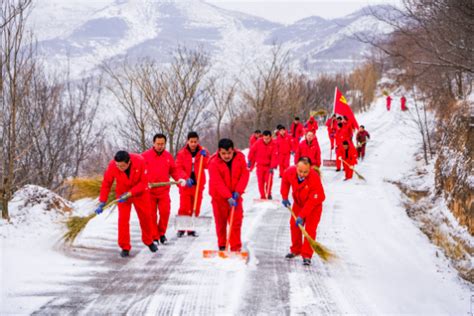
pixel 227 245
pixel 152 185
pixel 303 230
pixel 197 185
pixel 358 174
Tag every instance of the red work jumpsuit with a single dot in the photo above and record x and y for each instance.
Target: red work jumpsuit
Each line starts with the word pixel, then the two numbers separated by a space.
pixel 308 197
pixel 331 125
pixel 137 184
pixel 296 131
pixel 312 151
pixel 350 156
pixel 284 144
pixel 188 166
pixel 266 158
pixel 160 167
pixel 361 138
pixel 225 179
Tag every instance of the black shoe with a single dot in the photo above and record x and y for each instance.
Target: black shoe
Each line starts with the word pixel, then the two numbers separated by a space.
pixel 180 233
pixel 290 255
pixel 306 261
pixel 163 240
pixel 221 248
pixel 269 197
pixel 124 253
pixel 153 247
pixel 337 170
pixel 193 234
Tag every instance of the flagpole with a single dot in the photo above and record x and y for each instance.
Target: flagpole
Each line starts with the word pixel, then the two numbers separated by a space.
pixel 334 105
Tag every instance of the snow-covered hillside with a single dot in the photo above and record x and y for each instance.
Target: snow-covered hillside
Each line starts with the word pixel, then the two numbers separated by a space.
pixel 385 264
pixel 87 35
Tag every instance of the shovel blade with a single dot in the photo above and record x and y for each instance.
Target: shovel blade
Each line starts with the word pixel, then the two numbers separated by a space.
pixel 243 255
pixel 329 163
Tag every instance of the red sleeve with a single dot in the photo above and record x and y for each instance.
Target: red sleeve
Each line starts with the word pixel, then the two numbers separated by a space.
pixel 274 161
pixel 316 197
pixel 318 156
pixel 285 186
pixel 217 183
pixel 251 156
pixel 107 183
pixel 142 183
pixel 244 178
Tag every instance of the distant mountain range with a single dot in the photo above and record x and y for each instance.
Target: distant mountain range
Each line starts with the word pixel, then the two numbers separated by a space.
pixel 87 33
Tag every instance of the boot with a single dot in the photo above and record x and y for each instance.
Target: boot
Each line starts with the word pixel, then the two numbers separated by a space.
pixel 306 261
pixel 124 253
pixel 153 247
pixel 180 233
pixel 290 255
pixel 221 248
pixel 163 240
pixel 193 233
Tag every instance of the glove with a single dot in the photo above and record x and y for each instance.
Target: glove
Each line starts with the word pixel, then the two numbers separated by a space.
pixel 271 170
pixel 189 182
pixel 232 202
pixel 124 197
pixel 286 203
pixel 203 153
pixel 235 195
pixel 299 221
pixel 100 208
pixel 182 182
pixel 249 165
pixel 292 153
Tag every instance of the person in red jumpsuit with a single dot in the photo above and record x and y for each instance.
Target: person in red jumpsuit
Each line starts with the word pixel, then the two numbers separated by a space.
pixel 403 103
pixel 331 125
pixel 349 154
pixel 254 137
pixel 308 196
pixel 129 173
pixel 309 147
pixel 389 102
pixel 284 146
pixel 188 163
pixel 342 135
pixel 265 155
pixel 311 125
pixel 362 138
pixel 160 166
pixel 296 132
pixel 228 179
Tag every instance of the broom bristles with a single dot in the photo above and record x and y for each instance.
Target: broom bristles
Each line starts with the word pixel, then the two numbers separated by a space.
pixel 76 224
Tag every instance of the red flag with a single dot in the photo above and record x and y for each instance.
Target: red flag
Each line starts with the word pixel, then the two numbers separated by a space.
pixel 342 108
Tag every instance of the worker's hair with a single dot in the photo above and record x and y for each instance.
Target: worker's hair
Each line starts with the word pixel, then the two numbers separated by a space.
pixel 257 131
pixel 159 135
pixel 193 135
pixel 345 143
pixel 339 118
pixel 297 118
pixel 339 124
pixel 305 160
pixel 226 143
pixel 122 156
pixel 362 126
pixel 280 127
pixel 267 133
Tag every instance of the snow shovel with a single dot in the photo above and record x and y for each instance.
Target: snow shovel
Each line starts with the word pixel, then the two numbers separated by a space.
pixel 329 162
pixel 353 169
pixel 319 249
pixel 191 222
pixel 244 255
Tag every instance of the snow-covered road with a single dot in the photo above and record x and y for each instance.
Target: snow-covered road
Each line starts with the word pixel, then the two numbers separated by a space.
pixel 385 264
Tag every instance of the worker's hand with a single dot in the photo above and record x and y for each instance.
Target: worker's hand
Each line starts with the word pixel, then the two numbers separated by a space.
pixel 203 153
pixel 232 202
pixel 124 197
pixel 271 170
pixel 189 182
pixel 100 208
pixel 182 182
pixel 299 221
pixel 235 195
pixel 249 164
pixel 286 203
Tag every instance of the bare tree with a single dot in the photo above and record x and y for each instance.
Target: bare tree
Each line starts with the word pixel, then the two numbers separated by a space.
pixel 222 99
pixel 17 66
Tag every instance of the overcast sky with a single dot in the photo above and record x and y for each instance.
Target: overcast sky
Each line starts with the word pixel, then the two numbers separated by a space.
pixel 287 12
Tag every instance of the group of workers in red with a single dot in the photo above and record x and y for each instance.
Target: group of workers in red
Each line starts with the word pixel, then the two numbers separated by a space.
pixel 403 103
pixel 229 173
